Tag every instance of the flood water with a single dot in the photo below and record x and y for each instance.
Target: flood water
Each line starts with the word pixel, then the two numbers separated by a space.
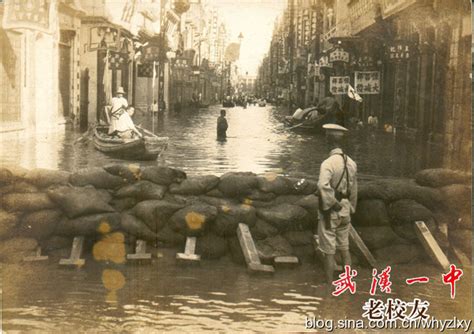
pixel 257 141
pixel 218 296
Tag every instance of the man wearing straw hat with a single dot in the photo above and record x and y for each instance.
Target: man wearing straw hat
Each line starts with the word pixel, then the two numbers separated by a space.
pixel 337 186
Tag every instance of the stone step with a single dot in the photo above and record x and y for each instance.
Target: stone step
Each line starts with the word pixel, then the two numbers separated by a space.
pixel 286 261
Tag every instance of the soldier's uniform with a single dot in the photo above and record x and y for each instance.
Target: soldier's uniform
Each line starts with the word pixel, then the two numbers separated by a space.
pixel 337 183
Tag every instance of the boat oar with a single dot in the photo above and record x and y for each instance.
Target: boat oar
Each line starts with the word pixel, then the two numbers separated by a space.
pixel 295 126
pixel 85 136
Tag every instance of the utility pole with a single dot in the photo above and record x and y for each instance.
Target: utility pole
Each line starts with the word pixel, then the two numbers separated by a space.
pixel 291 46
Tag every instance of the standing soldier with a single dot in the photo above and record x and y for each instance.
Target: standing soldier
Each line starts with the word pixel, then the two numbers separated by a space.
pixel 337 200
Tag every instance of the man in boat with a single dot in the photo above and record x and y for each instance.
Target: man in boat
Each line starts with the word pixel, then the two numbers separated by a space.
pixel 125 128
pixel 222 126
pixel 119 106
pixel 337 186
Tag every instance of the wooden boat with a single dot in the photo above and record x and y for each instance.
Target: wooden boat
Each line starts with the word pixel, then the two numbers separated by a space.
pixel 305 121
pixel 147 148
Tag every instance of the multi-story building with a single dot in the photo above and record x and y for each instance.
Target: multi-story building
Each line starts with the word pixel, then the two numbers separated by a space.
pixel 408 59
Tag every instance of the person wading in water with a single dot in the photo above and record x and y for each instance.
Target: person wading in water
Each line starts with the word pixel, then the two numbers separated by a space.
pixel 222 126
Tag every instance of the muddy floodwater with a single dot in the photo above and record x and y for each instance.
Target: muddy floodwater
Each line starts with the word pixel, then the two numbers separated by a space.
pixel 218 296
pixel 257 141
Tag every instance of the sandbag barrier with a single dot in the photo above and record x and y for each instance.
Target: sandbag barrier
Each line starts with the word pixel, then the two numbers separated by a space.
pixel 114 206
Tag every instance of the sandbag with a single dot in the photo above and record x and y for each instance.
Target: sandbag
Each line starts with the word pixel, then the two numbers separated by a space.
pixel 299 238
pixel 214 201
pixel 462 239
pixel 193 219
pixel 399 254
pixel 307 187
pixel 407 211
pixel 310 203
pixel 195 185
pixel 439 177
pixel 8 222
pixel 215 193
pixel 6 176
pixel 273 183
pixel 376 237
pixel 283 215
pixel 122 204
pixel 142 190
pixel 39 224
pixel 235 250
pixel 89 225
pixel 237 184
pixel 457 198
pixel 272 247
pixel 15 249
pixel 55 242
pixel 229 217
pixel 16 171
pixel 136 227
pixel 129 172
pixel 403 215
pixel 96 177
pixel 19 188
pixel 155 213
pixel 287 199
pixel 371 212
pixel 78 201
pixel 393 190
pixel 262 230
pixel 211 246
pixel 258 195
pixel 162 175
pixel 169 238
pixel 42 178
pixel 27 202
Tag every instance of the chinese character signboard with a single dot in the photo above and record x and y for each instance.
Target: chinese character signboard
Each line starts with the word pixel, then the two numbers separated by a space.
pixel 339 55
pixel 324 62
pixel 338 85
pixel 400 51
pixel 367 82
pixel 30 14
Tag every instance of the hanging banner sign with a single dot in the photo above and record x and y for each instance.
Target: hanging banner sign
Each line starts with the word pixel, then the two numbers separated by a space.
pixel 399 51
pixel 30 14
pixel 367 82
pixel 339 85
pixel 324 62
pixel 339 55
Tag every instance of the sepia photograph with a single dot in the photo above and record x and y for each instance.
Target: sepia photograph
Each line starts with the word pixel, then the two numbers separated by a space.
pixel 228 166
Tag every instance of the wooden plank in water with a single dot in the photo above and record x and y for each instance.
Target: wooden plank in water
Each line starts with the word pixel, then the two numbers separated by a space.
pixel 250 252
pixel 140 252
pixel 258 268
pixel 189 256
pixel 286 261
pixel 430 245
pixel 320 254
pixel 246 243
pixel 361 247
pixel 76 252
pixel 36 256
